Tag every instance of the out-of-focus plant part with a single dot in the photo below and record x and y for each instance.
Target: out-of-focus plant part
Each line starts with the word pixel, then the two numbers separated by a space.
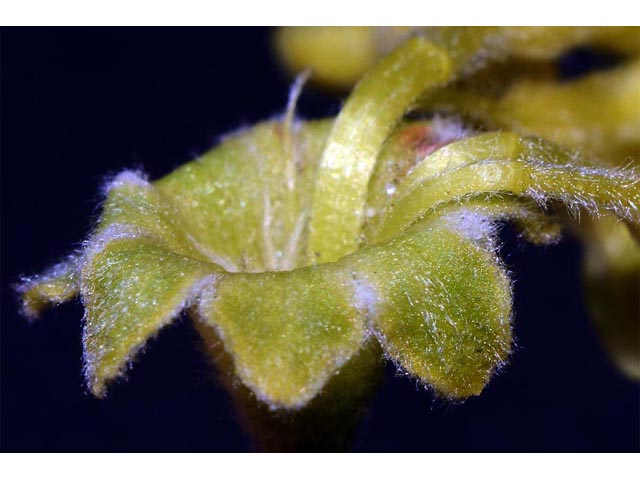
pixel 597 113
pixel 513 84
pixel 612 287
pixel 306 250
pixel 360 47
pixel 316 48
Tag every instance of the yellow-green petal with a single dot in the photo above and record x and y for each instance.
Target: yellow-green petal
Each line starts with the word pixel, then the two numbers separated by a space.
pixel 288 332
pixel 57 285
pixel 131 287
pixel 132 200
pixel 440 305
pixel 240 202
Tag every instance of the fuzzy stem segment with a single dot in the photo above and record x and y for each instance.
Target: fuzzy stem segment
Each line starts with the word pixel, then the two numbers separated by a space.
pixel 526 168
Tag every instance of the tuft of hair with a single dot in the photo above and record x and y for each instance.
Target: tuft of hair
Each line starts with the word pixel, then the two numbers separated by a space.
pixel 448 128
pixel 127 177
pixel 365 297
pixel 476 226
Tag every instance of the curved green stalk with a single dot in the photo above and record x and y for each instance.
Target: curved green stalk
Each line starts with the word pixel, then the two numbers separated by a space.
pixel 515 169
pixel 348 160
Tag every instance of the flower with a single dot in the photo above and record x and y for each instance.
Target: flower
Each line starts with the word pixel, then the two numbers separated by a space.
pixel 299 244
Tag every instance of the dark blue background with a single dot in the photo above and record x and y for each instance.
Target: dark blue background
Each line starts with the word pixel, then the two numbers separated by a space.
pixel 79 104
